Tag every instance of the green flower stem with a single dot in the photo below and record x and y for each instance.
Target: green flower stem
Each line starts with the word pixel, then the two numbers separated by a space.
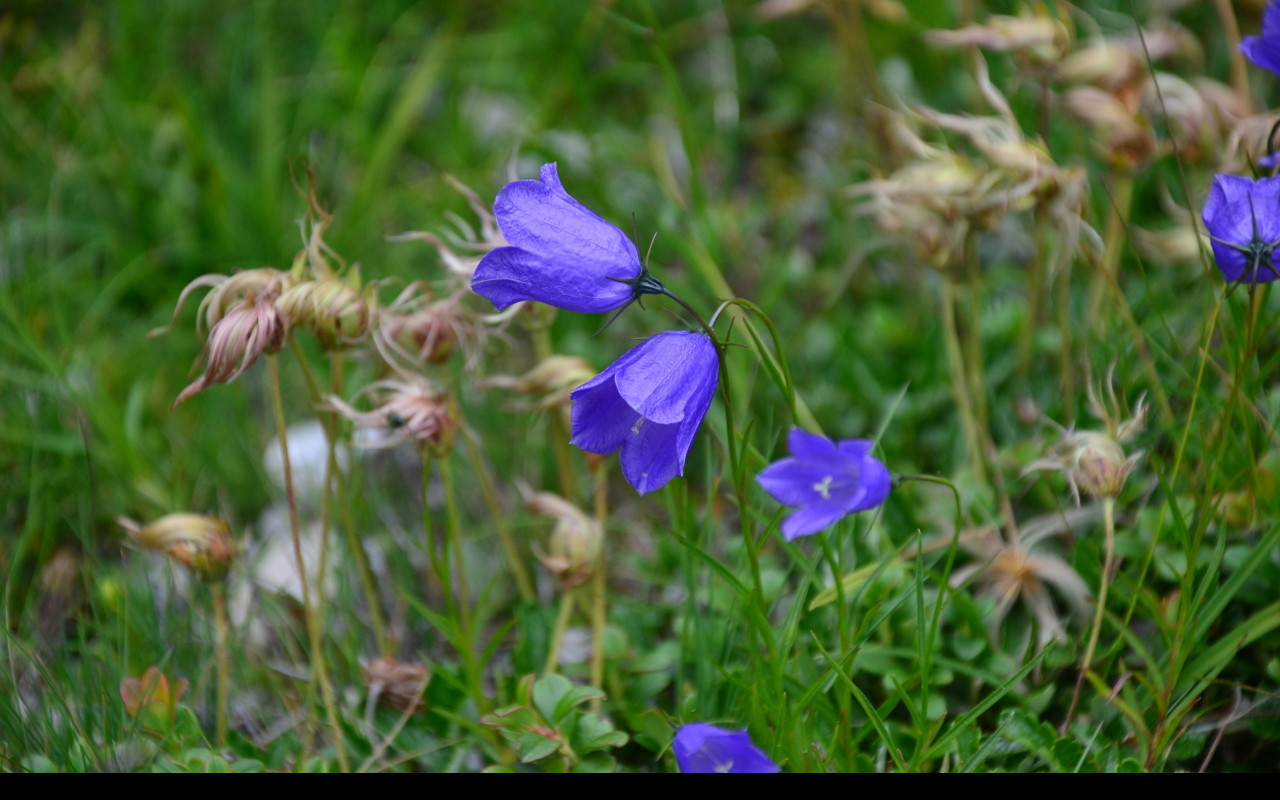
pixel 222 645
pixel 973 340
pixel 317 674
pixel 329 421
pixel 959 382
pixel 559 430
pixel 524 584
pixel 1135 332
pixel 1108 518
pixel 1066 372
pixel 1190 415
pixel 1239 70
pixel 557 632
pixel 844 697
pixel 775 362
pixel 739 480
pixel 944 586
pixel 439 557
pixel 453 529
pixel 598 587
pixel 1114 238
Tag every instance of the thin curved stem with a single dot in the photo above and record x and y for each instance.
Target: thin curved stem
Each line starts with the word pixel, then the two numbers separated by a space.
pixel 1108 516
pixel 557 632
pixel 220 622
pixel 599 598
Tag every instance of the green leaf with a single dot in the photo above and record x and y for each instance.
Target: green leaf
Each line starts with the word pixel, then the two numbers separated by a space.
pixel 547 693
pixel 1067 754
pixel 892 568
pixel 574 698
pixel 535 746
pixel 594 732
pixel 596 762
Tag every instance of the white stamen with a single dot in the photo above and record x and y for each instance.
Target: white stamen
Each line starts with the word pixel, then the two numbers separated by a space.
pixel 824 488
pixel 639 424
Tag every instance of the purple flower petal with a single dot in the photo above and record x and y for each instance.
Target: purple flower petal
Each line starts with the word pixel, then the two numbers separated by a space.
pixel 563 254
pixel 1264 50
pixel 509 275
pixel 808 521
pixel 650 403
pixel 793 482
pixel 810 446
pixel 652 456
pixel 700 747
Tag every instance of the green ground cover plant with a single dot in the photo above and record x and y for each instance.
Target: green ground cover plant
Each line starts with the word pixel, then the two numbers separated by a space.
pixel 639 386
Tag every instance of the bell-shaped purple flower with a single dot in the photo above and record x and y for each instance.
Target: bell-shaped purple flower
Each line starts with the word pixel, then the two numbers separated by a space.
pixel 826 479
pixel 1243 219
pixel 1264 50
pixel 562 254
pixel 650 403
pixel 700 747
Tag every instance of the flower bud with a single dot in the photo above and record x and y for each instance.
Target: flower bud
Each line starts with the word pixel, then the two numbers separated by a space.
pixel 550 381
pixel 331 308
pixel 396 683
pixel 201 543
pixel 1100 467
pixel 576 542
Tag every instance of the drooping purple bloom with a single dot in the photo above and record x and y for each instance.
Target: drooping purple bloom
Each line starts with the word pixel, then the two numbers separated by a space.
pixel 562 254
pixel 1264 50
pixel 826 479
pixel 700 747
pixel 1243 219
pixel 650 403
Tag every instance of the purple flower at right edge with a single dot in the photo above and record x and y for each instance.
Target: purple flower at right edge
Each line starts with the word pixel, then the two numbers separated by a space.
pixel 1243 219
pixel 826 479
pixel 1264 50
pixel 700 747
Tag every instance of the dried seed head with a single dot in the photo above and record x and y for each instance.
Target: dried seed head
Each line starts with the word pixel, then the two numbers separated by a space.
pixel 573 552
pixel 237 341
pixel 229 292
pixel 1126 140
pixel 1195 128
pixel 461 251
pixel 201 543
pixel 408 410
pixel 416 331
pixel 1038 39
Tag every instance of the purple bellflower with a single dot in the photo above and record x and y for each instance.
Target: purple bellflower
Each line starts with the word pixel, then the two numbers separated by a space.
pixel 700 747
pixel 650 403
pixel 562 254
pixel 1243 219
pixel 1264 50
pixel 826 479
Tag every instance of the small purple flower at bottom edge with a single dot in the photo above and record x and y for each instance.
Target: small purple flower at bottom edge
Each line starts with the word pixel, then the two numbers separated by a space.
pixel 826 479
pixel 700 747
pixel 1264 50
pixel 650 403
